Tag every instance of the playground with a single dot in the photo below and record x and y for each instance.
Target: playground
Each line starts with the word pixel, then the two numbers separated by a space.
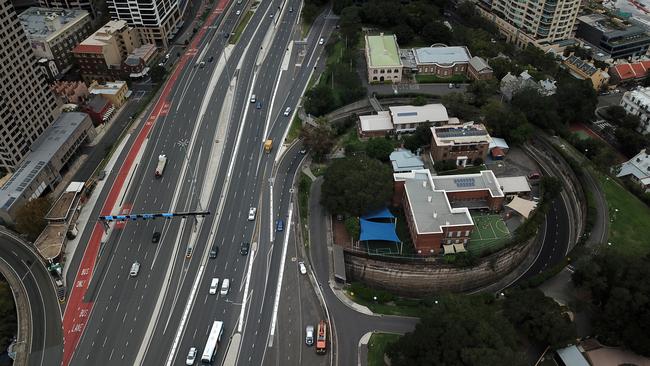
pixel 490 233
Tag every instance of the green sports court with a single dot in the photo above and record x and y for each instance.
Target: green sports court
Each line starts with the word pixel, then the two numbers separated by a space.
pixel 490 233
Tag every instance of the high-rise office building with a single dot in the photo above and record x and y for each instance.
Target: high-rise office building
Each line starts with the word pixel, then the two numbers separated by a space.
pixel 543 23
pixel 27 105
pixel 155 20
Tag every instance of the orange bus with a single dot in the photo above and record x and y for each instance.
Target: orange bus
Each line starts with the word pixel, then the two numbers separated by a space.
pixel 321 338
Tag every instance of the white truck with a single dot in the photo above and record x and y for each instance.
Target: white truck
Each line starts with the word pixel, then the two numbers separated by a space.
pixel 162 161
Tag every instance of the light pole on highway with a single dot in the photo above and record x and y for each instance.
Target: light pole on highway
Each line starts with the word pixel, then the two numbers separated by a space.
pixel 182 144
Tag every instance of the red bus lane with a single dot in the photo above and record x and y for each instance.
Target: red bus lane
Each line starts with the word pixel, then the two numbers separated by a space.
pixel 77 311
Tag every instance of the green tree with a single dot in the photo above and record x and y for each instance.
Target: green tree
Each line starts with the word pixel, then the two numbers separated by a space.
pixel 310 12
pixel 539 317
pixel 157 73
pixel 421 137
pixel 404 34
pixel 620 292
pixel 419 101
pixel 482 90
pixel 30 218
pixel 8 325
pixel 356 185
pixel 353 227
pixel 319 100
pixel 502 65
pixel 507 123
pixel 350 24
pixel 318 139
pixel 339 5
pixel 458 106
pixel 576 99
pixel 436 32
pixel 551 186
pixel 538 109
pixel 631 142
pixel 459 331
pixel 379 148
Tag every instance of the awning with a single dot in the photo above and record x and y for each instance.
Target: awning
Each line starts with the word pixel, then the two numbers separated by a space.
pixel 459 248
pixel 522 206
pixel 377 231
pixel 448 248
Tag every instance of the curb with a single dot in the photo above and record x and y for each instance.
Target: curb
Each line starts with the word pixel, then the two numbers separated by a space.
pixel 22 347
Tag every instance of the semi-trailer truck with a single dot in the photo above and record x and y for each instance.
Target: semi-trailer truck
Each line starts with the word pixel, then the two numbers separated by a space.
pixel 162 161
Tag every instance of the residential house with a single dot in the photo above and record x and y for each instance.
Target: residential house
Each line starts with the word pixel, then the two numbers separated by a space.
pixel 637 169
pixel 637 102
pixel 629 72
pixel 479 69
pixel 581 69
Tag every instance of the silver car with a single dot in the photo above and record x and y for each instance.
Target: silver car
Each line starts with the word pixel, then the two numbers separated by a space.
pixel 309 337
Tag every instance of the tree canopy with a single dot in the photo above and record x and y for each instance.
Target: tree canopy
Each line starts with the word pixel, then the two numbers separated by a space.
pixel 318 139
pixel 505 122
pixel 30 218
pixel 459 330
pixel 539 317
pixel 7 314
pixel 356 185
pixel 379 148
pixel 620 291
pixel 421 137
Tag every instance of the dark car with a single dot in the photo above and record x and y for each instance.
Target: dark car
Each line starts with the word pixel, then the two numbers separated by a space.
pixel 210 58
pixel 244 248
pixel 213 252
pixel 457 86
pixel 258 105
pixel 279 225
pixel 156 237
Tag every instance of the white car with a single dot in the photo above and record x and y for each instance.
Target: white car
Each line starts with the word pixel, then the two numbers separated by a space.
pixel 238 12
pixel 287 111
pixel 303 269
pixel 135 268
pixel 214 284
pixel 251 213
pixel 191 356
pixel 321 41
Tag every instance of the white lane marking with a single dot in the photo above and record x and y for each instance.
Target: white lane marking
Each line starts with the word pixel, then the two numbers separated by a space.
pixel 278 290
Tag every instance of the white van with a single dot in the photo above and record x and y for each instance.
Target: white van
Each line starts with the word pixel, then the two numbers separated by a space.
pixel 213 286
pixel 253 98
pixel 225 287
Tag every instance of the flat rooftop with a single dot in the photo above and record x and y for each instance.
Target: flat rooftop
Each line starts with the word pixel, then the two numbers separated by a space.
pixel 417 114
pixel 376 122
pixel 469 182
pixel 430 206
pixel 460 134
pixel 111 87
pixel 46 23
pixel 383 50
pixel 442 55
pixel 404 160
pixel 61 207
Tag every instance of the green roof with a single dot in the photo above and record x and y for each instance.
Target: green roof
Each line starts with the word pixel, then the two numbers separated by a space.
pixel 382 50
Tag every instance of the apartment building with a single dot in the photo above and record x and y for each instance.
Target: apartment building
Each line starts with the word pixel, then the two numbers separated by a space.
pixel 613 37
pixel 94 7
pixel 100 56
pixel 544 23
pixel 53 33
pixel 382 58
pixel 637 102
pixel 155 20
pixel 462 143
pixel 584 70
pixel 27 105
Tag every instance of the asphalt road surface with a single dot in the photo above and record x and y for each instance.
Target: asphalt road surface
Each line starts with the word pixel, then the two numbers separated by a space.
pixel 212 136
pixel 45 348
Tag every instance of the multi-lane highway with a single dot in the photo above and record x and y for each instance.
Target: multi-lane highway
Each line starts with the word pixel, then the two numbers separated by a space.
pixel 212 136
pixel 44 310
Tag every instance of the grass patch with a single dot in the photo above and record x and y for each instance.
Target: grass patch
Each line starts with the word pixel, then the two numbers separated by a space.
pixel 377 347
pixel 304 187
pixel 294 130
pixel 489 235
pixel 318 169
pixel 240 27
pixel 402 307
pixel 629 217
pixel 427 79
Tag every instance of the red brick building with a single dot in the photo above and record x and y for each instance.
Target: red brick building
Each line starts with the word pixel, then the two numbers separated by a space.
pixel 462 143
pixel 437 208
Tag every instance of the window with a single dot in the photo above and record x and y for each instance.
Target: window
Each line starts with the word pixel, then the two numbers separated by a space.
pixel 466 233
pixel 458 233
pixel 449 234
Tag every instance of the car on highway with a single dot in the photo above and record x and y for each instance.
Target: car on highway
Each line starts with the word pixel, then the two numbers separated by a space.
pixel 309 335
pixel 271 16
pixel 253 99
pixel 225 287
pixel 202 64
pixel 238 12
pixel 245 247
pixel 303 268
pixel 279 225
pixel 291 9
pixel 101 175
pixel 258 105
pixel 188 252
pixel 321 41
pixel 287 111
pixel 191 356
pixel 213 286
pixel 210 59
pixel 303 150
pixel 156 237
pixel 135 268
pixel 251 213
pixel 214 251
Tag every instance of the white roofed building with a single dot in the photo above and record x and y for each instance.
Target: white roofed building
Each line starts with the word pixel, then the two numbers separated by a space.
pixel 442 61
pixel 637 102
pixel 407 118
pixel 375 125
pixel 637 169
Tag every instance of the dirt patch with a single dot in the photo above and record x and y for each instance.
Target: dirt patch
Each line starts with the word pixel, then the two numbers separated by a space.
pixel 341 236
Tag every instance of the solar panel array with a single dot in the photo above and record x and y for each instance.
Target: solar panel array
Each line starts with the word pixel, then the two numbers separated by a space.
pixel 464 182
pixel 460 132
pixel 407 114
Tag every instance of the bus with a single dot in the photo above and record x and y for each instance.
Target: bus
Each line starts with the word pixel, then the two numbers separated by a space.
pixel 213 342
pixel 321 338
